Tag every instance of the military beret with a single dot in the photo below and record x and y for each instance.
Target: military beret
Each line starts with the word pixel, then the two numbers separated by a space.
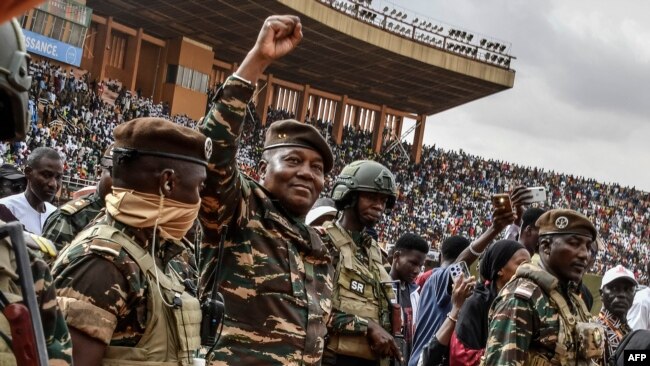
pixel 290 132
pixel 563 221
pixel 10 172
pixel 162 138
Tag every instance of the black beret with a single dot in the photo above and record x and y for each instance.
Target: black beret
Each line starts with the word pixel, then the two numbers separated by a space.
pixel 290 132
pixel 563 221
pixel 163 138
pixel 10 172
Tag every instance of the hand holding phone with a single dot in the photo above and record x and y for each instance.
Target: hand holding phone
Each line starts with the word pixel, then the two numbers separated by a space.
pixel 502 201
pixel 536 194
pixel 457 269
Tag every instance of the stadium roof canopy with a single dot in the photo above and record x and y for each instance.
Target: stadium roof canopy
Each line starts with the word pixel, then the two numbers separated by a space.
pixel 339 53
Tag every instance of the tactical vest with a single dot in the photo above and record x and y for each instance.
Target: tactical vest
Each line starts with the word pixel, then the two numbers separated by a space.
pixel 579 341
pixel 358 290
pixel 172 334
pixel 9 286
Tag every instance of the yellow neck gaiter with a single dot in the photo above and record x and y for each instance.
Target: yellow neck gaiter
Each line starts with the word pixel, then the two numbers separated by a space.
pixel 142 210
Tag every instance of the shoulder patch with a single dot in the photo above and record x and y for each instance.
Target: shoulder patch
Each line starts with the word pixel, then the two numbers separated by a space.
pixel 525 290
pixel 75 206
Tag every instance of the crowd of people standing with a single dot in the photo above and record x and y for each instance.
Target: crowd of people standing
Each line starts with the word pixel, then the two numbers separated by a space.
pixel 446 194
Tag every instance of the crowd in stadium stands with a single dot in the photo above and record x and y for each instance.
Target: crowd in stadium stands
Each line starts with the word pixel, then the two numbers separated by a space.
pixel 448 193
pixel 69 115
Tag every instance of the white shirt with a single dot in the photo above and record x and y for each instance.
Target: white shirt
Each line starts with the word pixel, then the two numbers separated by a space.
pixel 26 214
pixel 639 315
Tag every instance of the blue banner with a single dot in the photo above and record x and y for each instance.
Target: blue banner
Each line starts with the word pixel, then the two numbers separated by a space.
pixel 56 50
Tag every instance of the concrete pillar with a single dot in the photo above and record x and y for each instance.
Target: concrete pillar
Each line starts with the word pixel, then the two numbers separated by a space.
pixel 398 127
pixel 103 42
pixel 416 150
pixel 132 59
pixel 378 130
pixel 264 99
pixel 337 129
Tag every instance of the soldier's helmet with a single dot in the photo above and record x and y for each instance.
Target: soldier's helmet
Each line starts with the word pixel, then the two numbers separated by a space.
pixel 14 82
pixel 363 176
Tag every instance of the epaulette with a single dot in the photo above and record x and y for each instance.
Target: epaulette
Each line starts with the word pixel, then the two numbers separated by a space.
pixel 102 239
pixel 75 206
pixel 525 289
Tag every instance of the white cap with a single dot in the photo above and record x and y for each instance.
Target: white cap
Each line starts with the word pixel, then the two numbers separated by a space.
pixel 616 273
pixel 317 212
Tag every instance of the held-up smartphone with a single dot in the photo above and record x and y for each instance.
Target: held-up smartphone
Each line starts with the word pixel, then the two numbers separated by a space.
pixel 538 194
pixel 458 268
pixel 501 200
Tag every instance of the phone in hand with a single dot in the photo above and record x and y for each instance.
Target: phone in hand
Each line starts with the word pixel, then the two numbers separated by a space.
pixel 457 269
pixel 502 201
pixel 538 194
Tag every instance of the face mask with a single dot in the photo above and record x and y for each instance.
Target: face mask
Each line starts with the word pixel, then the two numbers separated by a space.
pixel 143 210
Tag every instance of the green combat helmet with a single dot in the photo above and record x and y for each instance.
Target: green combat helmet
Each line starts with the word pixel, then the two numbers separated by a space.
pixel 363 176
pixel 14 82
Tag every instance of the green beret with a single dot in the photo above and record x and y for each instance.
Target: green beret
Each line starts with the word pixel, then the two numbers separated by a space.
pixel 290 132
pixel 563 221
pixel 162 138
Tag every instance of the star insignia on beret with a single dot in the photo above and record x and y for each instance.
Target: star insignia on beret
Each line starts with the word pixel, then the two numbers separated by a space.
pixel 208 148
pixel 561 222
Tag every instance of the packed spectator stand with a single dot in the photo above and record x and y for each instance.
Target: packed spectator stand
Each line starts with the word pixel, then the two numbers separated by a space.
pixel 448 193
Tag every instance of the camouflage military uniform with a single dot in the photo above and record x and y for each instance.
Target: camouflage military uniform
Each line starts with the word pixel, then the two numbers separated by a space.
pixel 68 221
pixel 342 323
pixel 57 337
pixel 276 277
pixel 103 292
pixel 524 320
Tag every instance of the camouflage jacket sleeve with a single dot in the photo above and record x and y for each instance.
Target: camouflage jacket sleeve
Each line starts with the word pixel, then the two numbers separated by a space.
pixel 222 195
pixel 343 323
pixel 58 228
pixel 99 292
pixel 57 337
pixel 513 319
pixel 224 124
pixel 63 225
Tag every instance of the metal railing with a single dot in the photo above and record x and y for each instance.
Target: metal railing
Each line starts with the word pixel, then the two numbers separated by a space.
pixel 427 31
pixel 74 184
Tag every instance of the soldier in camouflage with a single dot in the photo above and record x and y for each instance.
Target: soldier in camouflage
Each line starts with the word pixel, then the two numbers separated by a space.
pixel 69 220
pixel 120 302
pixel 360 326
pixel 14 85
pixel 276 277
pixel 538 318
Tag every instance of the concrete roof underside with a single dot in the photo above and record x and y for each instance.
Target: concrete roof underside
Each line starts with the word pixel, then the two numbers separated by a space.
pixel 338 54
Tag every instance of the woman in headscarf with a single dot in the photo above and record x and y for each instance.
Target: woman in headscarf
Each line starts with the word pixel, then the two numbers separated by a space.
pixel 498 265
